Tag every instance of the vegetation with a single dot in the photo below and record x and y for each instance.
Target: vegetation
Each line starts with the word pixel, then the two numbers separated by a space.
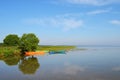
pixel 11 40
pixel 13 50
pixel 13 45
pixel 67 48
pixel 28 42
pixel 1 44
pixel 9 51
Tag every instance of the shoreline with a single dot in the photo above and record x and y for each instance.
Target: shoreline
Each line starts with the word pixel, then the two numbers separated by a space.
pixel 13 50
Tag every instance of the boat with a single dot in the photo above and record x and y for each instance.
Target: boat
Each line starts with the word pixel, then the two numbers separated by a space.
pixel 35 53
pixel 57 52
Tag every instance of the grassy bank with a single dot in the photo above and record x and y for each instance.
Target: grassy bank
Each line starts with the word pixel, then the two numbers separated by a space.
pixel 13 50
pixel 9 50
pixel 67 48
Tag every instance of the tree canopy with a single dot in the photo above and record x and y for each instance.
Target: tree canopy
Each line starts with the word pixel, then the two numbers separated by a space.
pixel 11 40
pixel 28 42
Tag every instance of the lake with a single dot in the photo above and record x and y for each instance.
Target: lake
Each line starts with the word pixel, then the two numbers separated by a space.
pixel 95 63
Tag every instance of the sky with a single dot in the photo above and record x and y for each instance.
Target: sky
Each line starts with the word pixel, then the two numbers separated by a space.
pixel 62 22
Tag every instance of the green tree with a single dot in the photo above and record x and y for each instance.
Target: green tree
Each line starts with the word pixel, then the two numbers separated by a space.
pixel 11 40
pixel 28 42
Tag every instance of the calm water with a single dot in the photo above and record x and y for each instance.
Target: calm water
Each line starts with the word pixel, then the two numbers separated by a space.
pixel 96 63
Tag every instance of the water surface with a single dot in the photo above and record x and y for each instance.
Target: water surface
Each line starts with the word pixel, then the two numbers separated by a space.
pixel 95 63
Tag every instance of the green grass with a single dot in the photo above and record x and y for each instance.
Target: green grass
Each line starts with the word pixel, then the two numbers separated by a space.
pixel 13 50
pixel 9 50
pixel 67 48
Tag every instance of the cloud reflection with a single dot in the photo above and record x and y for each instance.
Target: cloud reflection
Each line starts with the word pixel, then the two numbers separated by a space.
pixel 116 69
pixel 70 69
pixel 73 69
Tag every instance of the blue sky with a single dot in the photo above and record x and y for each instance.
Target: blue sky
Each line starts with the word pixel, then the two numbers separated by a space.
pixel 63 22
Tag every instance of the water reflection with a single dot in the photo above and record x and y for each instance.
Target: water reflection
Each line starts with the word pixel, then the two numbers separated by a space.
pixel 11 60
pixel 117 69
pixel 70 69
pixel 29 65
pixel 99 64
pixel 73 69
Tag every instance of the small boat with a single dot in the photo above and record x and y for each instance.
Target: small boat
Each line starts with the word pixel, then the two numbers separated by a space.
pixel 57 52
pixel 60 51
pixel 35 53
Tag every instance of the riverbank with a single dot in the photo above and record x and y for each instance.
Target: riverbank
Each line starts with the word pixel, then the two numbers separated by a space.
pixel 67 48
pixel 13 50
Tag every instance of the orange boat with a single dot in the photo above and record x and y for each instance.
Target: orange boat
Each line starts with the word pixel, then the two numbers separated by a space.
pixel 35 53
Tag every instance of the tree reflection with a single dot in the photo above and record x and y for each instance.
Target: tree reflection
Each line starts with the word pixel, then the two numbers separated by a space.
pixel 29 65
pixel 11 60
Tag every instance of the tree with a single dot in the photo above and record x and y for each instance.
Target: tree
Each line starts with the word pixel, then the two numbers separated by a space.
pixel 11 40
pixel 28 42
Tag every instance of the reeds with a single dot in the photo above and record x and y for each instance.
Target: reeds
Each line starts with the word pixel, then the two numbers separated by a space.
pixel 56 48
pixel 9 50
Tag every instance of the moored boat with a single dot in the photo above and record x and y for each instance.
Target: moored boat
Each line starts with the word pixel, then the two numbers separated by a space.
pixel 36 53
pixel 57 52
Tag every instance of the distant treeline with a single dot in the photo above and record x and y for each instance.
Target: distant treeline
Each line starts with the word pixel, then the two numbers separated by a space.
pixel 1 44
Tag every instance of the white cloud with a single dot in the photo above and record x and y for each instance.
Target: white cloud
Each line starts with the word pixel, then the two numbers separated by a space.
pixel 98 12
pixel 71 23
pixel 66 23
pixel 116 22
pixel 92 2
